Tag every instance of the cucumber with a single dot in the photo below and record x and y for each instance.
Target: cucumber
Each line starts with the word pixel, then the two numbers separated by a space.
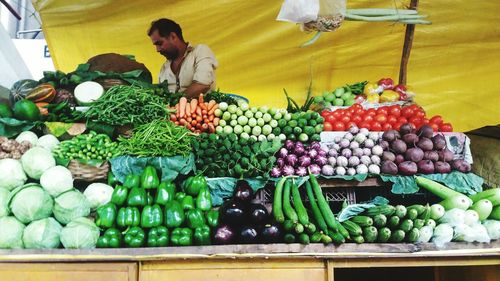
pixel 353 228
pixel 459 201
pixel 406 225
pixel 287 206
pixel 397 236
pixel 495 214
pixel 310 228
pixel 386 210
pixel 413 235
pixel 327 213
pixel 491 194
pixel 383 235
pixel 358 239
pixel 412 214
pixel 418 223
pixel 483 208
pixel 304 239
pixel 288 225
pixel 362 221
pixel 299 206
pixel 370 234
pixel 437 211
pixel 316 237
pixel 419 208
pixel 400 211
pixel 289 238
pixel 393 222
pixel 325 239
pixel 299 228
pixel 318 217
pixel 379 220
pixel 337 238
pixel 279 216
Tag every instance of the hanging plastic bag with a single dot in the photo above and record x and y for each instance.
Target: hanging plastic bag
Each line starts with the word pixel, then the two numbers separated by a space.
pixel 314 15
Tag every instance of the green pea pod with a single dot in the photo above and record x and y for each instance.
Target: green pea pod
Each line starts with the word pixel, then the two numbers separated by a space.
pixel 149 178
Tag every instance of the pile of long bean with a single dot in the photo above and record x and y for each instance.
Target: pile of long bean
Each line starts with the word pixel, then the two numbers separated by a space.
pixel 157 138
pixel 127 105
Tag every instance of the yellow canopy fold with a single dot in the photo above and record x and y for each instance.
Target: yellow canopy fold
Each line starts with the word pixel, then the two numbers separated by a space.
pixel 453 68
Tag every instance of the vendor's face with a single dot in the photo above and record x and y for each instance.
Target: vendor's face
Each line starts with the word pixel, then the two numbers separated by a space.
pixel 164 45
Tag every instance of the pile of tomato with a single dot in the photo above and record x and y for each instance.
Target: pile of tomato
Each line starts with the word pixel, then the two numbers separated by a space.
pixel 383 118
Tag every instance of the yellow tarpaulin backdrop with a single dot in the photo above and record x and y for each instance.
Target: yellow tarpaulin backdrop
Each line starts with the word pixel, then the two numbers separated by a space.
pixel 454 65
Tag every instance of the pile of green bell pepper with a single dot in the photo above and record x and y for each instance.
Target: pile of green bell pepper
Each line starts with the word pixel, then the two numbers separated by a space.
pixel 144 211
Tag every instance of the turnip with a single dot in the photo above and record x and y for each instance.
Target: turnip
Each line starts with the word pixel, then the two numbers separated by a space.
pixel 346 152
pixel 315 169
pixel 340 171
pixel 362 169
pixel 374 136
pixel 353 130
pixel 374 169
pixel 332 161
pixel 336 146
pixel 384 144
pixel 342 161
pixel 321 152
pixel 351 171
pixel 375 159
pixel 357 152
pixel 364 131
pixel 365 159
pixel 377 150
pixel 344 143
pixel 367 151
pixel 354 145
pixel 354 161
pixel 360 138
pixel 320 160
pixel 431 155
pixel 327 170
pixel 337 139
pixel 389 167
pixel 334 152
pixel 408 168
pixel 348 136
pixel 304 160
pixel 369 143
pixel 301 171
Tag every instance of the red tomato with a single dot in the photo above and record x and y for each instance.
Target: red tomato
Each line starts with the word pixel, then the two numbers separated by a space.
pixel 381 118
pixel 339 126
pixel 417 121
pixel 414 107
pixel 436 119
pixel 325 113
pixel 337 113
pixel 367 118
pixel 383 110
pixel 391 119
pixel 402 120
pixel 327 127
pixel 435 127
pixel 446 127
pixel 425 121
pixel 365 125
pixel 359 112
pixel 407 112
pixel 371 112
pixel 345 119
pixel 330 119
pixel 357 106
pixel 420 114
pixel 356 118
pixel 351 110
pixel 386 127
pixel 375 126
pixel 397 125
pixel 395 110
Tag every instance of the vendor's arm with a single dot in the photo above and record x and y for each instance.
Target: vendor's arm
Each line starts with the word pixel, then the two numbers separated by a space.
pixel 204 72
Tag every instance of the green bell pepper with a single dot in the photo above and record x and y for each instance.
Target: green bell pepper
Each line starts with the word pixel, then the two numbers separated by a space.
pixel 187 202
pixel 158 237
pixel 128 216
pixel 149 199
pixel 204 199
pixel 195 218
pixel 106 215
pixel 193 186
pixel 132 181
pixel 111 238
pixel 181 237
pixel 202 235
pixel 179 196
pixel 174 214
pixel 165 193
pixel 134 237
pixel 213 218
pixel 152 216
pixel 149 178
pixel 112 180
pixel 120 194
pixel 137 197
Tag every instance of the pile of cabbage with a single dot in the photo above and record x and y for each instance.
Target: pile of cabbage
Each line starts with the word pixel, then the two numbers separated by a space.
pixel 40 208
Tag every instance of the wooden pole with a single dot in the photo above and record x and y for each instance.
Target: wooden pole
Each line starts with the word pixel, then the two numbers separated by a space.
pixel 410 30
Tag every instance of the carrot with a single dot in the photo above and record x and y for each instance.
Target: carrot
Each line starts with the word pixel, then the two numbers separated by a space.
pixel 216 121
pixel 182 106
pixel 173 117
pixel 177 109
pixel 211 104
pixel 211 128
pixel 203 105
pixel 204 112
pixel 201 99
pixel 189 119
pixel 194 104
pixel 211 117
pixel 188 109
pixel 211 111
pixel 198 111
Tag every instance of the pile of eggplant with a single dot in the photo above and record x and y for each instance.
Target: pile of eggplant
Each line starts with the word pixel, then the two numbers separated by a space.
pixel 244 220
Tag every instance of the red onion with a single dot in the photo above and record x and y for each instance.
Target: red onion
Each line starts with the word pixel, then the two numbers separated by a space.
pixel 333 152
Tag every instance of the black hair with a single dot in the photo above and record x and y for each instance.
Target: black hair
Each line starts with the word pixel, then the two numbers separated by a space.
pixel 165 27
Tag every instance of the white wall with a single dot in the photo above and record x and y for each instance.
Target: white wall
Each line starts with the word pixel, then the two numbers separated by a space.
pixel 12 64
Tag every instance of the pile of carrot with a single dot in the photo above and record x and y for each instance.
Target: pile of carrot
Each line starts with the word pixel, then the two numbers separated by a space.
pixel 196 115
